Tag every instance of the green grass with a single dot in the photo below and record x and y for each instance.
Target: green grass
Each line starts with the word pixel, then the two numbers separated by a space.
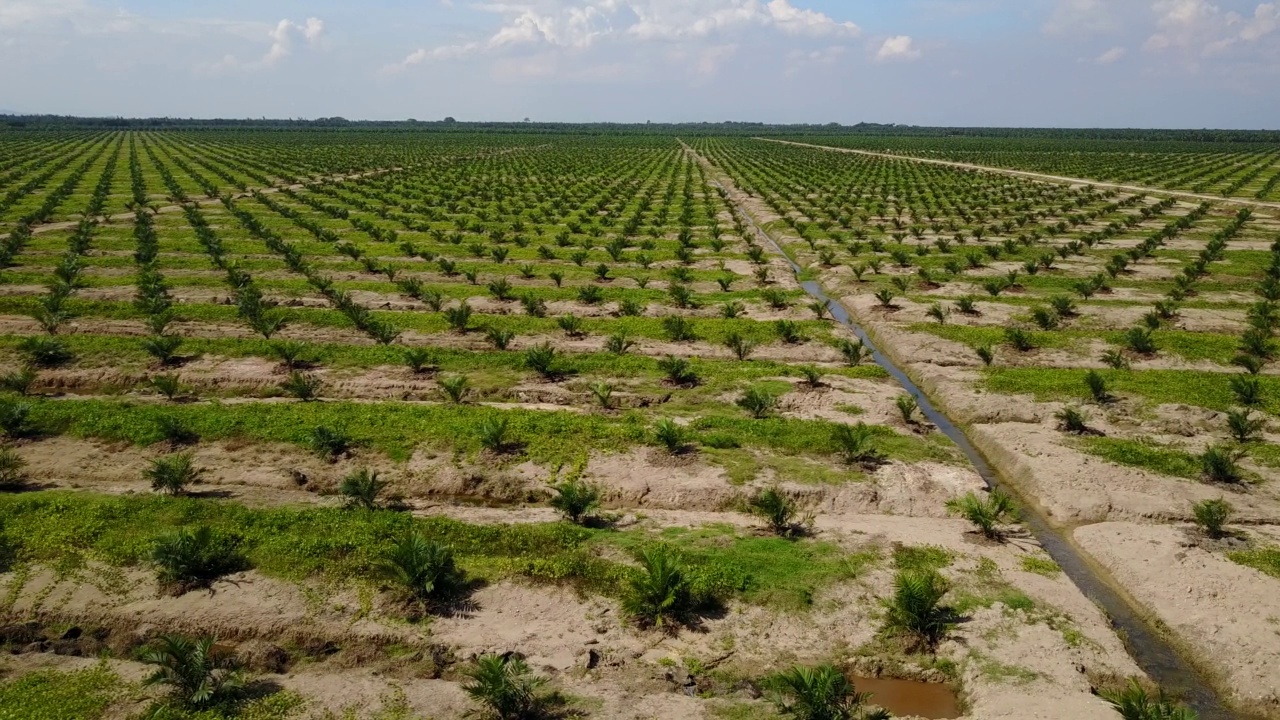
pixel 742 710
pixel 397 429
pixel 921 558
pixel 984 586
pixel 1191 346
pixel 53 695
pixel 67 530
pixel 392 428
pixel 88 694
pixel 782 573
pixel 1191 387
pixel 277 706
pixel 708 329
pixel 1266 560
pixel 1041 566
pixel 1144 454
pixel 994 336
pixel 117 351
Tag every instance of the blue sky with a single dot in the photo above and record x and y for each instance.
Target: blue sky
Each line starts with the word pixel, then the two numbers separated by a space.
pixel 1073 63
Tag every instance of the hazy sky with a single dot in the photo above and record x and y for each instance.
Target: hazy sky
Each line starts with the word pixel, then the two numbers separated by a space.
pixel 1131 63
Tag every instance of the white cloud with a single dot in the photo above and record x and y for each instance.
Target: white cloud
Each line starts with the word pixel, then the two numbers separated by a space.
pixel 577 25
pixel 282 35
pixel 1199 28
pixel 898 47
pixel 709 60
pixel 1266 20
pixel 282 38
pixel 1113 55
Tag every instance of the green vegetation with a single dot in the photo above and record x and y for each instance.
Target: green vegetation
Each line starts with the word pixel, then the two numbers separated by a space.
pixel 504 686
pixel 1144 454
pixel 196 673
pixel 54 695
pixel 1205 389
pixel 575 499
pixel 1040 566
pixel 1265 559
pixel 780 512
pixel 1212 516
pixel 986 513
pixel 915 611
pixel 191 558
pixel 421 569
pixel 67 530
pixel 1133 702
pixel 821 693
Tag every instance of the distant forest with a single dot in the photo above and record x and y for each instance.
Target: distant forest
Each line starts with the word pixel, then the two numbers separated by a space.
pixel 45 122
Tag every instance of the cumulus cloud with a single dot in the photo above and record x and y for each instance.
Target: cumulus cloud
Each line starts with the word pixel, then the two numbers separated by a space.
pixel 1113 55
pixel 897 48
pixel 282 38
pixel 577 25
pixel 1201 28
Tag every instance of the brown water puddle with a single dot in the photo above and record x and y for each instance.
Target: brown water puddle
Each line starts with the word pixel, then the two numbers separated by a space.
pixel 911 698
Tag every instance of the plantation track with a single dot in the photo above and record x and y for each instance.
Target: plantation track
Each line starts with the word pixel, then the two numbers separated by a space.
pixel 1037 176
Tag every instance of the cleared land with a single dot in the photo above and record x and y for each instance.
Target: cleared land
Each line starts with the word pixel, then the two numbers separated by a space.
pixel 491 322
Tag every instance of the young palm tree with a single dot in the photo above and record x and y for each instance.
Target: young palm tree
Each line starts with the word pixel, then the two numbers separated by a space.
pixel 304 386
pixel 1212 516
pixel 987 513
pixel 1219 464
pixel 198 673
pixel 738 345
pixel 19 381
pixel 173 473
pixel 189 559
pixel 757 401
pixel 1134 703
pixel 362 488
pixel 504 686
pixel 167 385
pixel 424 570
pixel 15 418
pixel 857 444
pixel 576 499
pixel 162 347
pixel 916 610
pixel 779 511
pixel 659 594
pixel 454 388
pixel 907 407
pixel 329 443
pixel 821 693
pixel 1245 428
pixel 671 436
pixel 11 468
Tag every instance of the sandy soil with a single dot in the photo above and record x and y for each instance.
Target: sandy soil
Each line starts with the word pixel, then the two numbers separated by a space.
pixel 562 634
pixel 1131 521
pixel 1225 613
pixel 1128 519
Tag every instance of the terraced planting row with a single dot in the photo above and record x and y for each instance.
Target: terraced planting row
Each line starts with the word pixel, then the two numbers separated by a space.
pixel 1110 353
pixel 536 418
pixel 1249 170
